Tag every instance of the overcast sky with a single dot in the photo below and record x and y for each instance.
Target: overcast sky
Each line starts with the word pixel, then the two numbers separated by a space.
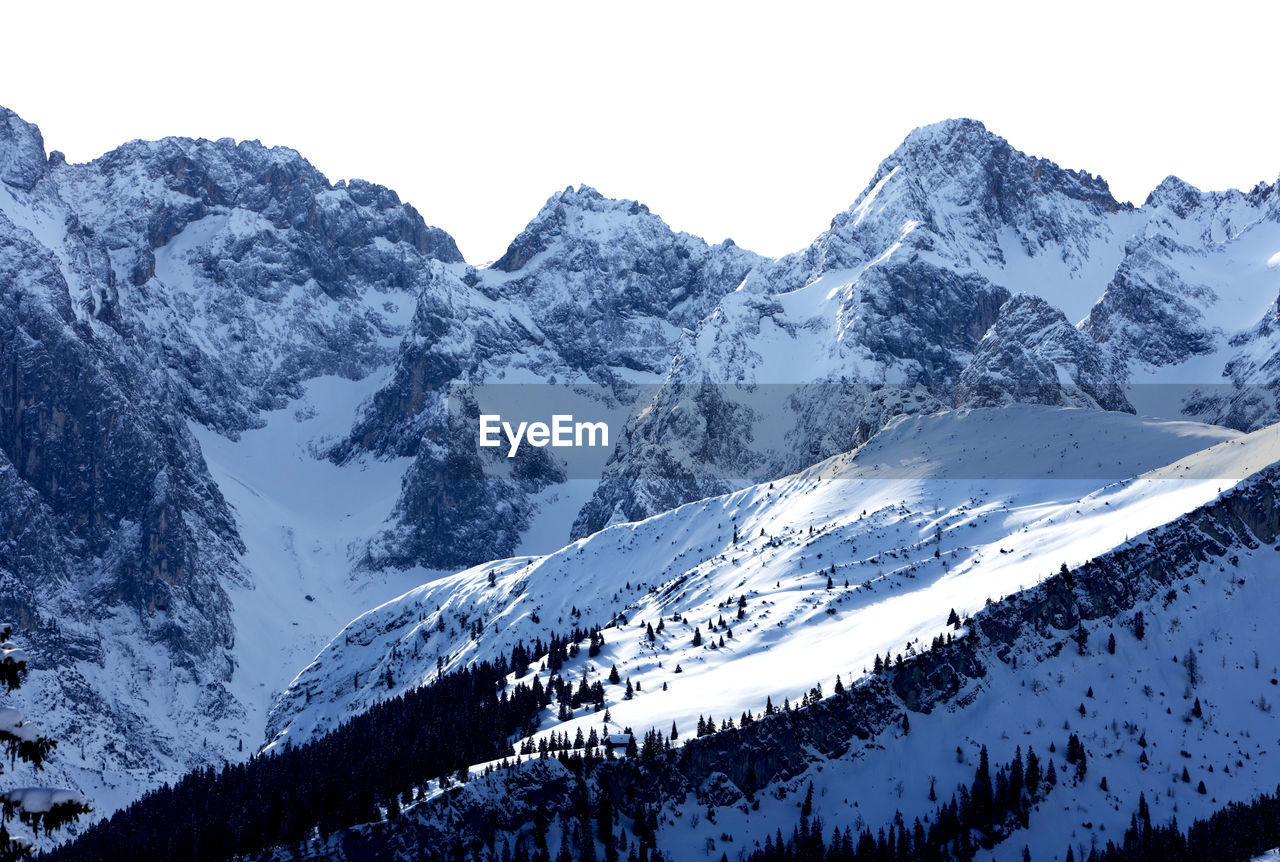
pixel 758 122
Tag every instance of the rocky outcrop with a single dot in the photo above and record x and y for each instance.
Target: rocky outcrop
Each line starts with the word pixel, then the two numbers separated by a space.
pixel 1033 355
pixel 594 291
pixel 22 161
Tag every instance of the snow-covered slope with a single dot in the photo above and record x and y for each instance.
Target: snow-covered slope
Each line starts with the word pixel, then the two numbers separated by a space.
pixel 1187 545
pixel 1003 496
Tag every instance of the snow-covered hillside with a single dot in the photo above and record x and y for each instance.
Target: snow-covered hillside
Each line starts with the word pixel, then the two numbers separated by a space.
pixel 1153 654
pixel 935 513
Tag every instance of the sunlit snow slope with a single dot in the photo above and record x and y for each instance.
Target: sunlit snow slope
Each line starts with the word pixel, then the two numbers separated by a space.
pixel 935 513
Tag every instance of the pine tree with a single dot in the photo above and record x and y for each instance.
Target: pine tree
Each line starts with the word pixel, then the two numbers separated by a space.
pixel 1032 776
pixel 697 636
pixel 1192 666
pixel 614 677
pixel 982 794
pixel 43 809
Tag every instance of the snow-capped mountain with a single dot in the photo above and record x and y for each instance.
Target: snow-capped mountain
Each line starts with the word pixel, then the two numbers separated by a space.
pixel 594 292
pixel 970 273
pixel 191 324
pixel 239 410
pixel 161 293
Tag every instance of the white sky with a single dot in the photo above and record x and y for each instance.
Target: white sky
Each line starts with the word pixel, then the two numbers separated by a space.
pixel 758 122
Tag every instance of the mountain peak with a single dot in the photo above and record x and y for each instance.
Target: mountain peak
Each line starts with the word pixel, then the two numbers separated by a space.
pixel 22 159
pixel 588 198
pixel 553 220
pixel 963 150
pixel 1176 194
pixel 949 132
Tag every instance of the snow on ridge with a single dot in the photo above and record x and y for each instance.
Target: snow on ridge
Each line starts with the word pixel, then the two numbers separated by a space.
pixel 879 527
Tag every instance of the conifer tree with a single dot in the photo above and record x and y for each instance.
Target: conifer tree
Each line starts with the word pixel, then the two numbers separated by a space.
pixel 1192 666
pixel 983 794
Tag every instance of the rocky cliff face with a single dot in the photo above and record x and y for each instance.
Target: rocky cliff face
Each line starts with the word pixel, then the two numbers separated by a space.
pixel 594 292
pixel 244 272
pixel 115 544
pixel 164 283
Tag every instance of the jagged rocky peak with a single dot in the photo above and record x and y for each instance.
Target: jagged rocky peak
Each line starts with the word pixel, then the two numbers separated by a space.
pixel 22 160
pixel 581 211
pixel 957 188
pixel 594 269
pixel 180 180
pixel 615 237
pixel 239 267
pixel 1176 195
pixel 1196 216
pixel 963 157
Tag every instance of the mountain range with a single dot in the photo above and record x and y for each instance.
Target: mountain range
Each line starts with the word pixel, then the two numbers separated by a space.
pixel 240 502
